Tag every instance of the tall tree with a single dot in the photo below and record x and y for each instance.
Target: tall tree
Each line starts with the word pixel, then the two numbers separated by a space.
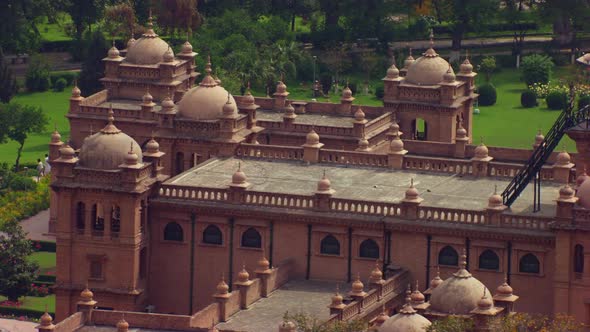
pixel 84 14
pixel 7 81
pixel 178 15
pixel 95 49
pixel 522 16
pixel 22 121
pixel 568 16
pixel 121 19
pixel 17 273
pixel 466 15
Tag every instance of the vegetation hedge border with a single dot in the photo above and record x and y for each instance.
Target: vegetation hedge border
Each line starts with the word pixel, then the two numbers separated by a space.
pixel 32 313
pixel 45 279
pixel 47 246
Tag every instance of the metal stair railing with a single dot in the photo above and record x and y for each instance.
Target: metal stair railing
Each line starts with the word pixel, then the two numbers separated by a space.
pixel 532 167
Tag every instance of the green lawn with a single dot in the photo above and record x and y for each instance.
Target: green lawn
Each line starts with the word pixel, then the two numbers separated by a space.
pixel 36 303
pixel 55 31
pixel 46 260
pixel 55 104
pixel 507 123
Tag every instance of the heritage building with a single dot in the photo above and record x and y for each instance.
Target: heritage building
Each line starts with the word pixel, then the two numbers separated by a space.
pixel 192 204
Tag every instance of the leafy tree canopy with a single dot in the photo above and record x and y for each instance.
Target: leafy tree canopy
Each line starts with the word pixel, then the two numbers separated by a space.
pixel 16 272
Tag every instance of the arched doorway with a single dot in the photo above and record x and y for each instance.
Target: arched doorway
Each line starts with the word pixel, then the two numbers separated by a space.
pixel 419 129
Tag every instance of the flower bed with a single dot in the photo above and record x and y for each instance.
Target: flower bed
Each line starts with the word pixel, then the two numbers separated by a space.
pixel 18 205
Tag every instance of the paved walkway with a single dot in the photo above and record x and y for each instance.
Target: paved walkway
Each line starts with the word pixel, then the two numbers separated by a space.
pixel 37 227
pixel 13 325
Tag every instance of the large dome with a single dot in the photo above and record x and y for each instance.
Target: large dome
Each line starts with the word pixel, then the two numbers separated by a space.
pixel 428 69
pixel 458 294
pixel 405 323
pixel 107 149
pixel 205 101
pixel 584 194
pixel 147 50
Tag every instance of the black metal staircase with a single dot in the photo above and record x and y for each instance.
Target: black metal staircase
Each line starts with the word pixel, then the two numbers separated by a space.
pixel 530 171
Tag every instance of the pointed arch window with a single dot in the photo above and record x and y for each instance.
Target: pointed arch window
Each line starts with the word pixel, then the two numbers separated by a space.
pixel 173 232
pixel 369 249
pixel 330 246
pixel 489 260
pixel 251 239
pixel 212 235
pixel 448 256
pixel 579 258
pixel 529 263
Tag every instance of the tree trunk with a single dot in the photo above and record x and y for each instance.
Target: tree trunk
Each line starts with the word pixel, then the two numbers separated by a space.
pixel 18 153
pixel 457 37
pixel 563 32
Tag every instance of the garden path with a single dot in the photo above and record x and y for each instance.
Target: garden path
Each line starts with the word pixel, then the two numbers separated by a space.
pixel 13 325
pixel 37 227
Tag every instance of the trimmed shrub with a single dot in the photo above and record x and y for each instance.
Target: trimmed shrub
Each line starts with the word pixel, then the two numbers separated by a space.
pixel 379 92
pixel 45 279
pixel 556 100
pixel 536 69
pixel 47 246
pixel 66 75
pixel 37 77
pixel 60 85
pixel 487 95
pixel 326 82
pixel 583 101
pixel 528 99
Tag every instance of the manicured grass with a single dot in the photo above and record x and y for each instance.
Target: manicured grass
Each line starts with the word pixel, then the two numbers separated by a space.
pixel 55 31
pixel 46 261
pixel 55 105
pixel 36 303
pixel 507 123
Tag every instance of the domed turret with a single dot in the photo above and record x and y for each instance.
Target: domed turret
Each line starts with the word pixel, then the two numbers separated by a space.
pixel 186 48
pixel 131 158
pixel 346 92
pixel 312 138
pixel 363 144
pixel 481 151
pixel 376 274
pixel 563 158
pixel 113 52
pixel 149 49
pixel 436 281
pixel 76 93
pixel 205 101
pixel 449 76
pixel 409 60
pixel 66 152
pixel 466 67
pixel 392 72
pixel 359 115
pixel 337 300
pixel 243 275
pixel 379 320
pixel 461 132
pixel 248 97
pixel 55 136
pixel 357 287
pixel 412 193
pixel 168 55
pixel 417 297
pixel 566 192
pixel 407 320
pixel 108 148
pixel 46 320
pixel 147 98
pixel 239 178
pixel 324 185
pixel 428 69
pixel 538 139
pixel 396 145
pixel 281 87
pixel 458 294
pixel 152 146
pixel 263 263
pixel 122 325
pixel 495 200
pixel 504 289
pixel 86 295
pixel 222 287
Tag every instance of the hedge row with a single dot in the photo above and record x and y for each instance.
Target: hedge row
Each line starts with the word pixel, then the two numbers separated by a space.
pixel 47 246
pixel 32 313
pixel 45 279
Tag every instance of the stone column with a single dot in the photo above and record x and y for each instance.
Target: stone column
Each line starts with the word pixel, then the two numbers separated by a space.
pixel 311 148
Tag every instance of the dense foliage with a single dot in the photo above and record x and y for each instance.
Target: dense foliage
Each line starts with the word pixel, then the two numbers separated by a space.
pixel 307 323
pixel 18 205
pixel 17 273
pixel 94 49
pixel 8 84
pixel 528 99
pixel 536 68
pixel 556 100
pixel 37 79
pixel 487 67
pixel 487 94
pixel 583 101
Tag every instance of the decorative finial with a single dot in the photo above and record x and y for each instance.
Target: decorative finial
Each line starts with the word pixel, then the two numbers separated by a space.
pixel 239 166
pixel 411 182
pixel 431 37
pixel 150 23
pixel 91 130
pixel 464 259
pixel 111 114
pixel 410 54
pixel 495 189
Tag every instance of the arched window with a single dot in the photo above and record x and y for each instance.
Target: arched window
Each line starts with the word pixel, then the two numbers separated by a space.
pixel 529 263
pixel 115 219
pixel 579 258
pixel 330 246
pixel 448 256
pixel 212 235
pixel 173 232
pixel 97 218
pixel 251 239
pixel 489 260
pixel 80 216
pixel 369 249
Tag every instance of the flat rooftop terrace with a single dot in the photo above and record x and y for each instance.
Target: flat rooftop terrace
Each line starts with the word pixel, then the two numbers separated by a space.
pixel 125 104
pixel 310 297
pixel 365 183
pixel 308 118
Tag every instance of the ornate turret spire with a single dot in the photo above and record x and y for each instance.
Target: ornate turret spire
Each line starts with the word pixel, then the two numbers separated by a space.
pixel 110 128
pixel 208 80
pixel 150 33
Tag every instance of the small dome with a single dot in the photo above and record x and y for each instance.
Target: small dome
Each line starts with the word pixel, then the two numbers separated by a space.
pixel 46 320
pixel 281 87
pixel 243 275
pixel 147 97
pixel 152 146
pixel 312 138
pixel 485 302
pixel 379 320
pixel 409 60
pixel 187 48
pixel 248 97
pixel 392 72
pixel 449 76
pixel 222 287
pixel 504 289
pixel 428 69
pixel 168 55
pixel 147 50
pixel 289 110
pixel 417 297
pixel 108 148
pixel 481 151
pixel 122 325
pixel 337 299
pixel 394 127
pixel 346 92
pixel 466 67
pixel 86 295
pixel 363 143
pixel 566 192
pixel 229 109
pixel 407 320
pixel 238 177
pixel 539 138
pixel 130 42
pixel 263 263
pixel 412 192
pixel 167 104
pixel 376 273
pixel 113 52
pixel 461 131
pixel 55 136
pixel 76 93
pixel 66 152
pixel 396 145
pixel 324 185
pixel 436 281
pixel 288 325
pixel 357 285
pixel 458 294
pixel 495 200
pixel 359 115
pixel 563 158
pixel 131 158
